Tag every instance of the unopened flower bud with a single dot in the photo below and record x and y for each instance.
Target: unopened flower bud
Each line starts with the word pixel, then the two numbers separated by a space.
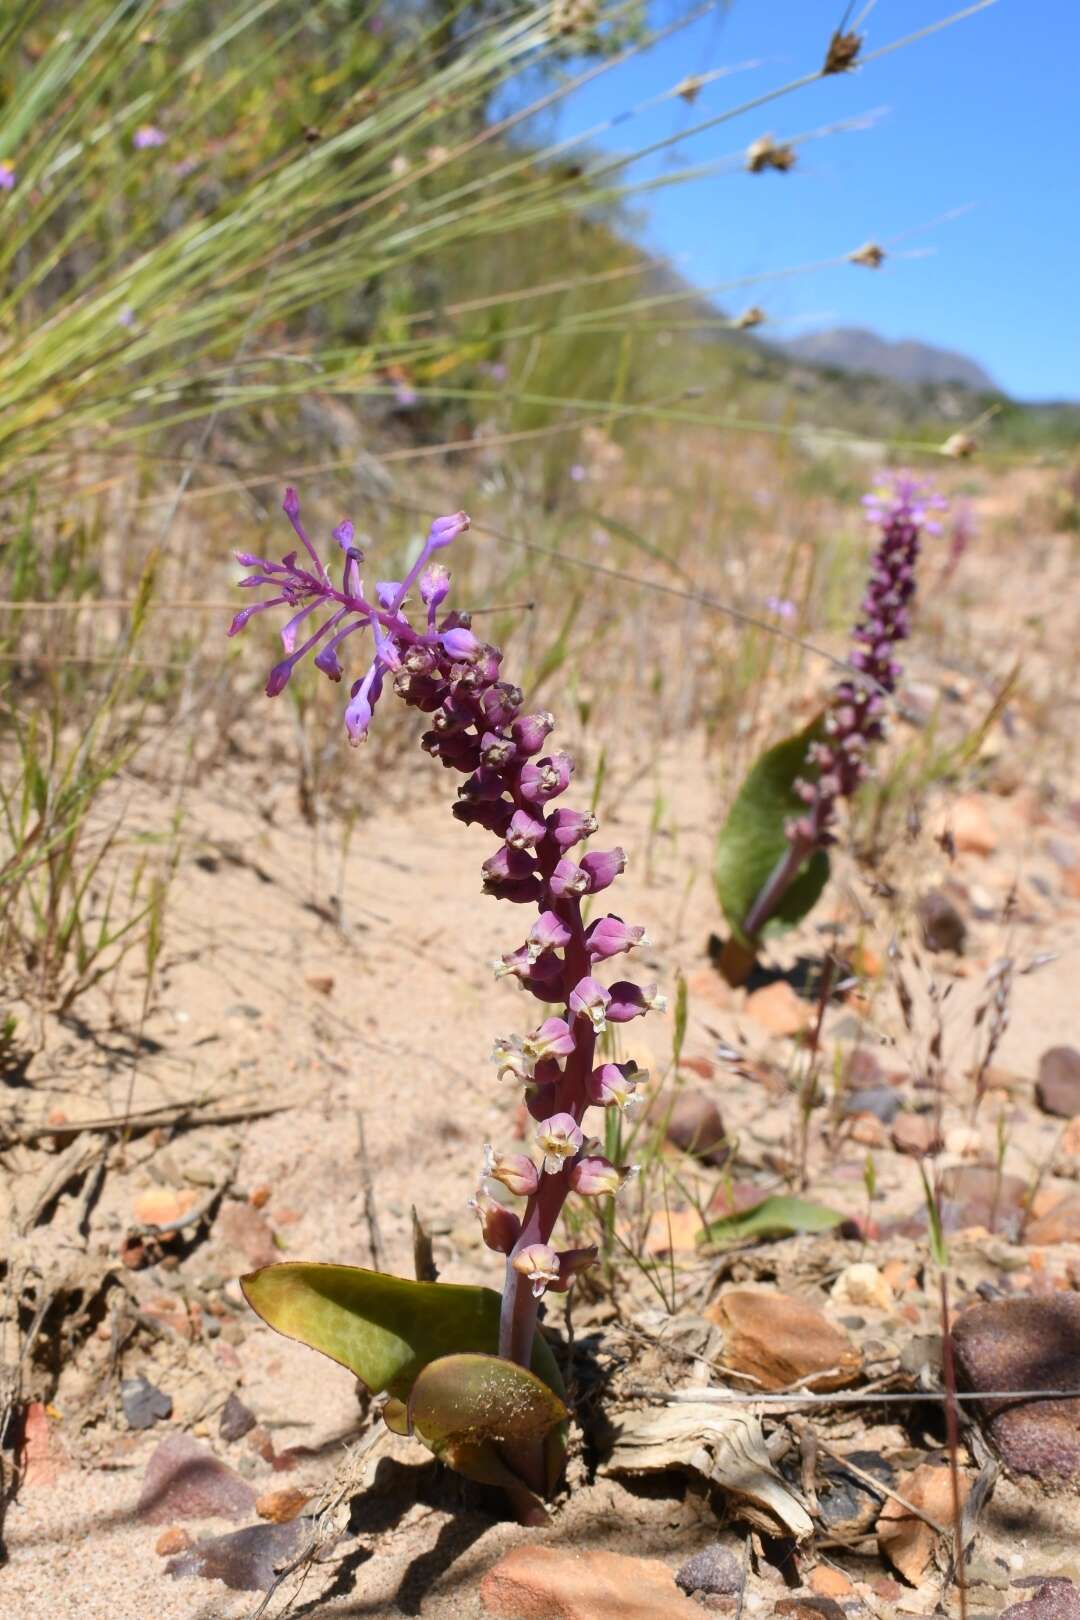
pixel 540 1264
pixel 602 867
pixel 596 1177
pixel 531 731
pixel 588 999
pixel 609 935
pixel 460 645
pixel 516 1171
pixel 558 1138
pixel 434 585
pixel 632 1000
pixel 500 1226
pixel 569 827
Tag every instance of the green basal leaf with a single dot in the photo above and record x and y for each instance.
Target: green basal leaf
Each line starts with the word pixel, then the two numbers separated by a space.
pixel 772 1218
pixel 466 1399
pixel 384 1329
pixel 494 1422
pixel 752 840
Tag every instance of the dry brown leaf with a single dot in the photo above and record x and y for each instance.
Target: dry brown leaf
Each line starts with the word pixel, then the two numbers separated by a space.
pixel 726 1448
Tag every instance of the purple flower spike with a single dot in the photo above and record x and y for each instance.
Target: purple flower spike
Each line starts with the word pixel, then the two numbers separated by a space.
pixel 900 510
pixel 441 668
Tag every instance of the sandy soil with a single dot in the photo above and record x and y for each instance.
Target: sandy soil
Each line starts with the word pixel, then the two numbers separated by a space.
pixel 374 1039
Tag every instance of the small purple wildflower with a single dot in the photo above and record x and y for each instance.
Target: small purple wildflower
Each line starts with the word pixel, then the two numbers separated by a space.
pixel 900 508
pixel 126 317
pixel 146 136
pixel 578 473
pixel 781 607
pixel 7 175
pixel 405 397
pixel 478 729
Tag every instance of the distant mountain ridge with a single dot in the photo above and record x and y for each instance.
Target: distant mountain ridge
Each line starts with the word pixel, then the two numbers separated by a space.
pixel 853 348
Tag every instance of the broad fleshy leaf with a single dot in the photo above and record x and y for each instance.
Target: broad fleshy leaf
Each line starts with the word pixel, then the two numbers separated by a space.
pixel 772 1218
pixel 384 1329
pixel 462 1399
pixel 492 1421
pixel 752 840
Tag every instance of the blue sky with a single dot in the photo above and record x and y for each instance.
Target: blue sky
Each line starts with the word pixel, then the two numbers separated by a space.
pixel 981 118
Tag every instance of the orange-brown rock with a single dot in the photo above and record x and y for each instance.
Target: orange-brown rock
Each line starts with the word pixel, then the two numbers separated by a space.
pixel 778 1009
pixel 552 1583
pixel 173 1540
pixel 907 1541
pixel 283 1505
pixel 780 1340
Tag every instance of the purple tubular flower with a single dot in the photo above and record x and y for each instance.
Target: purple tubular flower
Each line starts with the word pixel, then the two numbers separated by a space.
pixel 602 868
pixel 531 731
pixel 509 785
pixel 146 136
pixel 516 1171
pixel 596 1177
pixel 7 175
pixel 539 1262
pixel 589 1000
pixel 545 779
pixel 632 1001
pixel 569 827
pixel 500 1226
pixel 612 1085
pixel 568 881
pixel 610 935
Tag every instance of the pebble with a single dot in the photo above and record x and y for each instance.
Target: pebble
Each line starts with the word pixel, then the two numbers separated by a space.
pixel 1057 1088
pixel 143 1402
pixel 184 1480
pixel 1054 1600
pixel 282 1506
pixel 236 1419
pixel 241 1227
pixel 694 1124
pixel 862 1284
pixel 245 1560
pixel 173 1540
pixel 1017 1344
pixel 943 927
pixel 968 822
pixel 881 1101
pixel 551 1583
pixel 778 1009
pixel 715 1569
pixel 917 1135
pixel 781 1340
